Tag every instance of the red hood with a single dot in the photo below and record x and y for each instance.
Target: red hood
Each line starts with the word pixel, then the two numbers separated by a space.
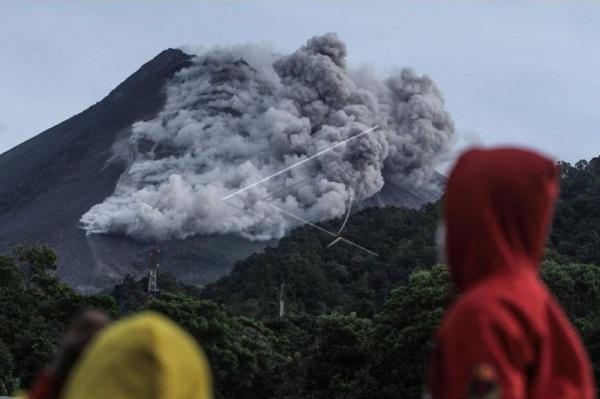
pixel 498 207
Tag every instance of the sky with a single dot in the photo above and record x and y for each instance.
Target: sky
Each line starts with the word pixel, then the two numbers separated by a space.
pixel 512 72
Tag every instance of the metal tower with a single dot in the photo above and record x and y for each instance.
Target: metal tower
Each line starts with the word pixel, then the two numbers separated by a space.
pixel 281 301
pixel 152 274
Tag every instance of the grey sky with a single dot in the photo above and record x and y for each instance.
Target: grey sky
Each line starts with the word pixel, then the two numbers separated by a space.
pixel 511 72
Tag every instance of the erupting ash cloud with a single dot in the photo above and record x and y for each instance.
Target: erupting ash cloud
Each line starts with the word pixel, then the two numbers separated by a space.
pixel 240 114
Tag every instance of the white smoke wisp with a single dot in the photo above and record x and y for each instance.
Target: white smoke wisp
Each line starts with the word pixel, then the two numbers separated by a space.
pixel 240 114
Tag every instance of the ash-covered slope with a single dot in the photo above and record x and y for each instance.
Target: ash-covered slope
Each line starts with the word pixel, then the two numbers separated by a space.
pixel 153 160
pixel 48 182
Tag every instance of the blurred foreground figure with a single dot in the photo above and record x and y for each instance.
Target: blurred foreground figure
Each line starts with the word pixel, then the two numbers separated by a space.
pixel 141 357
pixel 505 336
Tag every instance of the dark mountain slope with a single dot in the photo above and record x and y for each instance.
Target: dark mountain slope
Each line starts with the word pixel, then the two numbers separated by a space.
pixel 48 182
pixel 83 142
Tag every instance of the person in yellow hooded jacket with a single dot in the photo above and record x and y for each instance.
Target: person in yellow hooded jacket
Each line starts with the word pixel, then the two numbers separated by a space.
pixel 145 356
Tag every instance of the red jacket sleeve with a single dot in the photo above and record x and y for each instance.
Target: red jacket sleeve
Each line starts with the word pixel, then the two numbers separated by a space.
pixel 481 339
pixel 46 386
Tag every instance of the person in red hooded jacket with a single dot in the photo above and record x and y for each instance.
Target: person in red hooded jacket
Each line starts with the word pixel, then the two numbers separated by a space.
pixel 504 336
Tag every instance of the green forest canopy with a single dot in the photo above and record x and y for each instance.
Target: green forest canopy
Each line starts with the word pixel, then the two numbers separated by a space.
pixel 356 326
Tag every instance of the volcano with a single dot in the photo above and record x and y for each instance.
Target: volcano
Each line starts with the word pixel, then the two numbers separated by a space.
pixel 48 182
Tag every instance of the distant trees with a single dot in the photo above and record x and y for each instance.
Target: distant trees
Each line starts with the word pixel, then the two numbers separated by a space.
pixel 576 230
pixel 8 381
pixel 577 288
pixel 302 355
pixel 339 278
pixel 131 294
pixel 403 335
pixel 34 314
pixel 245 356
pixel 336 362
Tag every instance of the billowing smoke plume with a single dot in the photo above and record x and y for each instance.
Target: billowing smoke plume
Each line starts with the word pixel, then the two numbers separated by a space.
pixel 240 114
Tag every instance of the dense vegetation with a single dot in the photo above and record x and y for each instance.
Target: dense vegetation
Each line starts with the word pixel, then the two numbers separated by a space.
pixel 576 233
pixel 36 308
pixel 356 326
pixel 340 278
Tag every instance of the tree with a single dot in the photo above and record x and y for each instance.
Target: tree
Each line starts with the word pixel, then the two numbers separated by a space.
pixel 244 355
pixel 8 382
pixel 577 288
pixel 335 363
pixel 404 328
pixel 575 231
pixel 34 315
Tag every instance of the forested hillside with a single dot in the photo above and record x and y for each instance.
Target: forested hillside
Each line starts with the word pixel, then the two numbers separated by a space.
pixel 356 326
pixel 576 231
pixel 318 279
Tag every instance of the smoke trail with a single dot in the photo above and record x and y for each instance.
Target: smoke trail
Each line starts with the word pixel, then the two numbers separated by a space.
pixel 240 114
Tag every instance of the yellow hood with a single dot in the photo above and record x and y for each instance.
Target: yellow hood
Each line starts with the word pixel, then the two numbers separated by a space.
pixel 142 357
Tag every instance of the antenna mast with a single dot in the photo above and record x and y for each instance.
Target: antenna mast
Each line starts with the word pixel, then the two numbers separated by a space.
pixel 152 274
pixel 281 301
